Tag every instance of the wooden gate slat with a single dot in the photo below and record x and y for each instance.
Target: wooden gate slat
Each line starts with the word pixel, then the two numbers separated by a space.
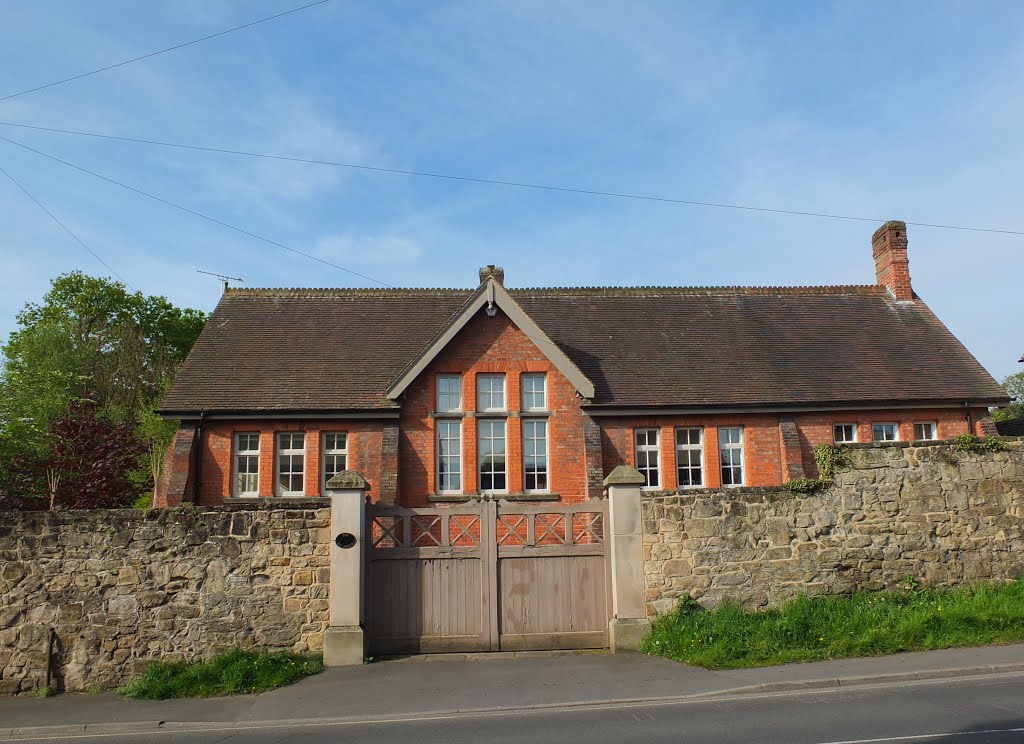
pixel 430 596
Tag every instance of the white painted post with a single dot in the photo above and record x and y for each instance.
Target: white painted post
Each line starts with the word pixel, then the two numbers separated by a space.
pixel 629 622
pixel 345 639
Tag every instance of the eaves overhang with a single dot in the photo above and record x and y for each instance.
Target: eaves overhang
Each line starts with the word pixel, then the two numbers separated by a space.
pixel 605 410
pixel 391 412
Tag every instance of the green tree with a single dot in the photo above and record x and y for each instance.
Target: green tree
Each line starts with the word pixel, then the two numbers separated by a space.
pixel 1014 385
pixel 89 340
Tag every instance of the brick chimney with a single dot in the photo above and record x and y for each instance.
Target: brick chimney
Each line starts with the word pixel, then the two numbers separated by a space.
pixel 492 271
pixel 892 269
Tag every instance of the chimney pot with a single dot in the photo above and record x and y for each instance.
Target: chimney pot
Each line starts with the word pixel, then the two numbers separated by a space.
pixel 892 267
pixel 489 271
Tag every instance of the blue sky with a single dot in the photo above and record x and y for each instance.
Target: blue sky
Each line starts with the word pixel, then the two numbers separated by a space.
pixel 892 110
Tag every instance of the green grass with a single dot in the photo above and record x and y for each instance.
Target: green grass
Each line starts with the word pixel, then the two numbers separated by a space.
pixel 231 673
pixel 863 624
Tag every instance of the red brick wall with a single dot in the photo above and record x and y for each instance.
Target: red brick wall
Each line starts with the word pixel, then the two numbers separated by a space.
pixel 364 454
pixel 762 451
pixel 490 345
pixel 816 428
pixel 762 443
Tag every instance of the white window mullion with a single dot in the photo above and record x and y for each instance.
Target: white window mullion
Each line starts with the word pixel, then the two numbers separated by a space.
pixel 648 456
pixel 247 464
pixel 535 455
pixel 490 442
pixel 335 455
pixel 844 433
pixel 690 456
pixel 490 392
pixel 534 387
pixel 925 431
pixel 730 446
pixel 449 392
pixel 449 456
pixel 291 464
pixel 885 432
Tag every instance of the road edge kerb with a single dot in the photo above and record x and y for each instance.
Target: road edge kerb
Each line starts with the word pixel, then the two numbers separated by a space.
pixel 101 729
pixel 868 679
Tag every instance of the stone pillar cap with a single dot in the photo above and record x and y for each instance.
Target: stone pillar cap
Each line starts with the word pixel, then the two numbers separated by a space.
pixel 347 479
pixel 624 475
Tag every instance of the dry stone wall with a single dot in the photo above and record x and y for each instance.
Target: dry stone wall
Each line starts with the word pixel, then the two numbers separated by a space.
pixel 122 587
pixel 941 516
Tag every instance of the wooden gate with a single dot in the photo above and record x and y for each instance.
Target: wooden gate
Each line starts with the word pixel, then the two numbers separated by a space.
pixel 487 575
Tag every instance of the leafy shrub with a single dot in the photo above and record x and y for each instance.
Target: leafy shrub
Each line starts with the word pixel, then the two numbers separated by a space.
pixel 829 457
pixel 971 443
pixel 807 485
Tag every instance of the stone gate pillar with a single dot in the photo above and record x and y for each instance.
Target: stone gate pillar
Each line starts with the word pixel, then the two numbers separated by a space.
pixel 629 622
pixel 345 639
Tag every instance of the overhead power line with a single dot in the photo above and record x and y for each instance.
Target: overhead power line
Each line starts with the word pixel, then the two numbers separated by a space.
pixel 64 227
pixel 192 211
pixel 499 182
pixel 163 51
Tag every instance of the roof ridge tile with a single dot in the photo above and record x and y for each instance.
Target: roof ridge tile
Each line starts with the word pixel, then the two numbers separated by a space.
pixel 586 291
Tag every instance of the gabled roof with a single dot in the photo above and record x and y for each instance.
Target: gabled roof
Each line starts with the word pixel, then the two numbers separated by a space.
pixel 324 351
pixel 491 297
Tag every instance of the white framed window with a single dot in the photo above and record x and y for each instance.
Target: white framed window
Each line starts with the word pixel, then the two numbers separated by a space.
pixel 925 431
pixel 844 433
pixel 291 463
pixel 535 455
pixel 690 456
pixel 535 397
pixel 247 464
pixel 490 443
pixel 730 449
pixel 335 454
pixel 885 432
pixel 449 456
pixel 449 392
pixel 648 456
pixel 490 392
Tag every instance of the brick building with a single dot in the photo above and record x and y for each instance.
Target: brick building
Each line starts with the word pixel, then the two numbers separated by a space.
pixel 436 395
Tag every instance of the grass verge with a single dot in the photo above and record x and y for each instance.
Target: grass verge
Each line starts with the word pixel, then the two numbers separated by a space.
pixel 862 624
pixel 230 673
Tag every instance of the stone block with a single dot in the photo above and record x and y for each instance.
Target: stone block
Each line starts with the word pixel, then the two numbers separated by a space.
pixel 677 567
pixel 704 527
pixel 344 645
pixel 625 635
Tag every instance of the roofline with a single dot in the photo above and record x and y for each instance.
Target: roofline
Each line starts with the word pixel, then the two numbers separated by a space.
pixel 607 410
pixel 489 295
pixel 249 414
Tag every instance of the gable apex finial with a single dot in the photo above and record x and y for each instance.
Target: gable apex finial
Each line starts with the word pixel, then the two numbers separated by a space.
pixel 490 271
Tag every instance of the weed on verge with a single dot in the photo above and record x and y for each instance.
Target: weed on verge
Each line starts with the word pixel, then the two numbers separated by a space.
pixel 862 624
pixel 234 672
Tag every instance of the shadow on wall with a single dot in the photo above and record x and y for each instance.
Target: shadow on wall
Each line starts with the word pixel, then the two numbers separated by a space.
pixel 212 478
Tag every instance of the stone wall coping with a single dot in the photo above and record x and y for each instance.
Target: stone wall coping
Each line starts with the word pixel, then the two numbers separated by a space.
pixel 624 475
pixel 917 444
pixel 735 491
pixel 229 505
pixel 347 479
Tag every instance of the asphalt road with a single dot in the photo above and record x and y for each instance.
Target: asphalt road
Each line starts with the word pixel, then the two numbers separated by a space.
pixel 985 710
